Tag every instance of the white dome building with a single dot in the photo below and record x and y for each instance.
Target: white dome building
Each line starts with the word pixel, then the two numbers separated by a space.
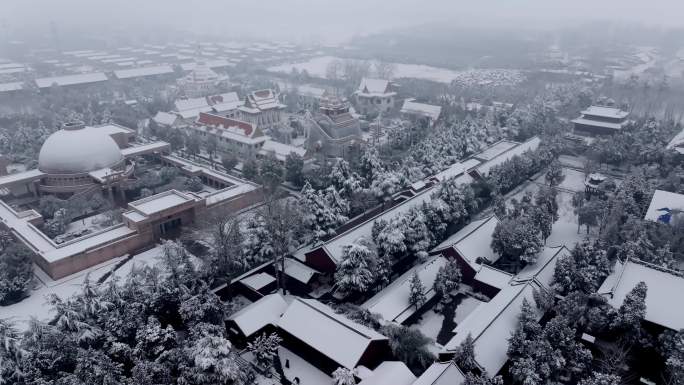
pixel 77 158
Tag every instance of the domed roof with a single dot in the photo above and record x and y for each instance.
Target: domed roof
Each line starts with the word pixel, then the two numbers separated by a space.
pixel 78 149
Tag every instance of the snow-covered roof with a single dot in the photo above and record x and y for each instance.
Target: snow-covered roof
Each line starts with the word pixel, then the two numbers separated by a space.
pixel 677 141
pixel 335 247
pixel 333 335
pixel 473 241
pixel 441 373
pixel 78 150
pixel 257 315
pixel 492 276
pixel 392 303
pixel 69 80
pixel 597 123
pixel 280 150
pixel 662 286
pixel 412 107
pixel 311 91
pixel 165 118
pixel 258 281
pixel 143 71
pixel 21 177
pixel 491 324
pixel 370 86
pixel 542 270
pixel 147 148
pixel 262 100
pixel 495 150
pixel 530 145
pixel 456 169
pixel 191 104
pixel 390 373
pixel 664 203
pixel 605 112
pixel 160 202
pixel 298 270
pixel 12 86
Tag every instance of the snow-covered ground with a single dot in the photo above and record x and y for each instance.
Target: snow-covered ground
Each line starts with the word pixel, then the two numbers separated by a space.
pixel 564 230
pixel 430 324
pixel 573 180
pixel 317 67
pixel 35 305
pixel 296 367
pixel 93 223
pixel 467 306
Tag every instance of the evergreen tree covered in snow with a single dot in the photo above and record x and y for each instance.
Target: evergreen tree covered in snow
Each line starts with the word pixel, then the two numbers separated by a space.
pixel 16 270
pixel 517 238
pixel 465 354
pixel 343 376
pixel 322 211
pixel 356 271
pixel 632 311
pixel 265 349
pixel 417 295
pixel 448 279
pixel 583 270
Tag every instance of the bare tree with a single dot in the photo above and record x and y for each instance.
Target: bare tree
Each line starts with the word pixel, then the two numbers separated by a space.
pixel 384 70
pixel 283 224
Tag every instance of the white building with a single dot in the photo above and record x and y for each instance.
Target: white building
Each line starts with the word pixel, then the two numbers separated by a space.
pixel 374 96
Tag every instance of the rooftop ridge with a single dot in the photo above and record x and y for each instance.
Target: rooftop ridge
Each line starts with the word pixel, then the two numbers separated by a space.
pixel 359 332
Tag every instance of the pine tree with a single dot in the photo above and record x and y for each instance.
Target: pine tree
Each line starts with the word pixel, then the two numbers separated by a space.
pixel 633 309
pixel 417 295
pixel 465 354
pixel 518 238
pixel 448 279
pixel 355 271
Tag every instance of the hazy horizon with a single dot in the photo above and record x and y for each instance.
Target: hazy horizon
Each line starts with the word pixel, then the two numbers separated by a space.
pixel 325 20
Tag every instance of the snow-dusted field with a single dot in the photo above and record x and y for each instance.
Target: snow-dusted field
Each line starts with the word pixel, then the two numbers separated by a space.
pixel 317 67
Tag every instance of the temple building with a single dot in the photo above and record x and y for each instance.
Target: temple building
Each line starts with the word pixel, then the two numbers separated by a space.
pixel 262 108
pixel 333 131
pixel 201 81
pixel 599 121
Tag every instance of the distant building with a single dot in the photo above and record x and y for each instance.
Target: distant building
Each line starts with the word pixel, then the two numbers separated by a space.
pixel 263 109
pixel 427 114
pixel 600 121
pixel 374 96
pixel 200 81
pixel 232 135
pixel 333 131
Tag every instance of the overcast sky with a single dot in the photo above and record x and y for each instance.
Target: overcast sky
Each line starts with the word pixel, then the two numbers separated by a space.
pixel 330 19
